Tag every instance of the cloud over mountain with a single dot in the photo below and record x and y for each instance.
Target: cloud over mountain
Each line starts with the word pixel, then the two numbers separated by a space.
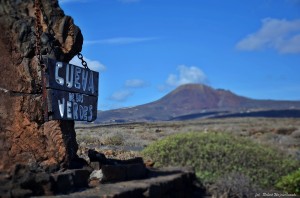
pixel 186 75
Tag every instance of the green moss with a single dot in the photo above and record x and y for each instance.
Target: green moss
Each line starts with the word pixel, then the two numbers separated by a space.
pixel 217 154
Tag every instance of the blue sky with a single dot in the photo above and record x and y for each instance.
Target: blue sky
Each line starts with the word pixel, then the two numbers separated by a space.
pixel 143 49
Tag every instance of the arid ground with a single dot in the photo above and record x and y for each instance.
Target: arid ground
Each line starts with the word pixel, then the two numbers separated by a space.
pixel 124 141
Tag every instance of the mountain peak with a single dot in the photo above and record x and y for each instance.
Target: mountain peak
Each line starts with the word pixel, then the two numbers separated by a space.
pixel 193 86
pixel 193 99
pixel 198 88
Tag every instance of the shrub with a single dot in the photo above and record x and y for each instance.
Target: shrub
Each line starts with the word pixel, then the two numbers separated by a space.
pixel 115 139
pixel 290 183
pixel 218 154
pixel 234 185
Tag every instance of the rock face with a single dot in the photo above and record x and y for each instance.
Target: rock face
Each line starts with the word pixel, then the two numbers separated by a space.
pixel 24 136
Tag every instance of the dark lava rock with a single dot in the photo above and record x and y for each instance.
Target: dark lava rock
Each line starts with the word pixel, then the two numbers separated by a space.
pixel 30 148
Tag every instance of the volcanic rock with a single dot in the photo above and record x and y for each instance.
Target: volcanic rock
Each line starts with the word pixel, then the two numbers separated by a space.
pixel 25 138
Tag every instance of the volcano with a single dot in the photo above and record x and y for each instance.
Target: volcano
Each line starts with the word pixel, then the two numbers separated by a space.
pixel 191 101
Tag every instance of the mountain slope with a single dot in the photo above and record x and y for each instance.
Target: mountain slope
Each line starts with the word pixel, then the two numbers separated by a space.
pixel 192 99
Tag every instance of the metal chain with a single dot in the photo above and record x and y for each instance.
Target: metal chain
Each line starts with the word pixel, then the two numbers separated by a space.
pixel 38 29
pixel 83 62
pixel 79 55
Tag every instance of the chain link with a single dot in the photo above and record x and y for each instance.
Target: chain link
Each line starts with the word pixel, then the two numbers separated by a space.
pixel 83 62
pixel 38 30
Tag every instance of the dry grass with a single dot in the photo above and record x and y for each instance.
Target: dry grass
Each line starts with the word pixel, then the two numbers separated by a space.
pixel 282 133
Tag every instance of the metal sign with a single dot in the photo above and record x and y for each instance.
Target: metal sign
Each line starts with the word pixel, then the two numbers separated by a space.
pixel 72 91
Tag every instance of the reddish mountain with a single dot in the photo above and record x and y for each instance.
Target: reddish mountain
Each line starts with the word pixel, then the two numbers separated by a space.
pixel 194 101
pixel 194 97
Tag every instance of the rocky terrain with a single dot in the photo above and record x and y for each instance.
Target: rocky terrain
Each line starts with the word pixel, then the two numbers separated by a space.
pixel 25 137
pixel 33 151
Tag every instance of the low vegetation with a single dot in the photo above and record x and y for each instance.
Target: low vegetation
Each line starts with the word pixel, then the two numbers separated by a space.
pixel 290 183
pixel 218 155
pixel 233 156
pixel 115 139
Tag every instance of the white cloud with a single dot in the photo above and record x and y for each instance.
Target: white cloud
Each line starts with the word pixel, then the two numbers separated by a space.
pixel 121 95
pixel 186 75
pixel 92 64
pixel 120 40
pixel 135 83
pixel 279 34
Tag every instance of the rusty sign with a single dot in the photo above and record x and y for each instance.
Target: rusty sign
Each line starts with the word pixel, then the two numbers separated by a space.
pixel 72 91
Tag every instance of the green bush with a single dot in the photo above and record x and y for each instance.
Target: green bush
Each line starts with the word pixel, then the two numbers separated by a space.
pixel 290 183
pixel 215 155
